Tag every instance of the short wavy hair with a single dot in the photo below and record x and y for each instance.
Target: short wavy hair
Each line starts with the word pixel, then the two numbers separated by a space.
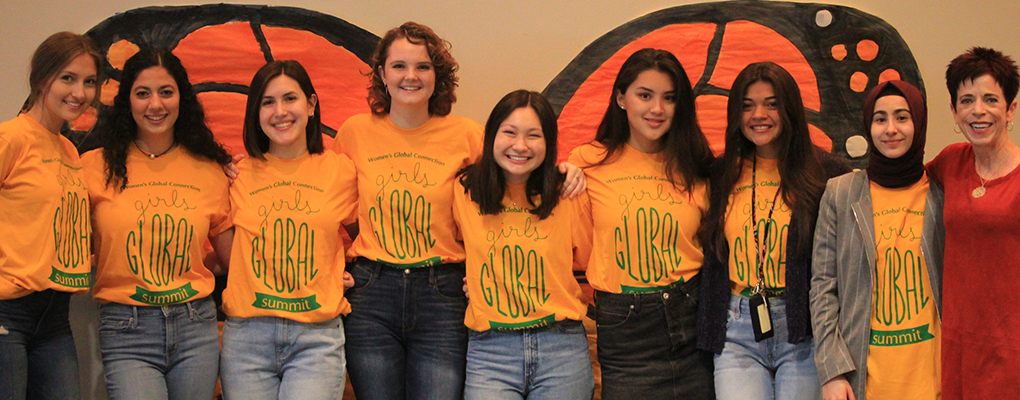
pixel 981 61
pixel 443 64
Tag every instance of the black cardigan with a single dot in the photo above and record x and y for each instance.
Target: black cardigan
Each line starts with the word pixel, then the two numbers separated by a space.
pixel 715 282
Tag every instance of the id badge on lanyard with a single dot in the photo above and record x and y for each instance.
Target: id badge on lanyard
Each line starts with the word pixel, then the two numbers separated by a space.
pixel 761 314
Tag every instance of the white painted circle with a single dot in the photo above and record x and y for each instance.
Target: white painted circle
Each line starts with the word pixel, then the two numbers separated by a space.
pixel 856 146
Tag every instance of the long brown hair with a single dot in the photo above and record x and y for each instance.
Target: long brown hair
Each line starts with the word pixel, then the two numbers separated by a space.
pixel 802 176
pixel 50 58
pixel 687 155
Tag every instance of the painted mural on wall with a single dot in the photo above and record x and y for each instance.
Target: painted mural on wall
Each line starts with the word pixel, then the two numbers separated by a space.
pixel 222 46
pixel 835 53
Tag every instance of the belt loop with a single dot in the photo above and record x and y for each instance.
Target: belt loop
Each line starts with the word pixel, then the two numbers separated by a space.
pixel 432 275
pixel 134 317
pixel 376 267
pixel 636 299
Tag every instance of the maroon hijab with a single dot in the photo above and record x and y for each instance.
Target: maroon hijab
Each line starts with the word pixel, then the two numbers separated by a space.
pixel 908 168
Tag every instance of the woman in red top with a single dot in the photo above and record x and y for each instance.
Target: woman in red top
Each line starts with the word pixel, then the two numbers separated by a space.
pixel 981 306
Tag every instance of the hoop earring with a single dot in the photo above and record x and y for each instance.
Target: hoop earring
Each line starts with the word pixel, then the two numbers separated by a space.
pixel 956 128
pixel 1009 126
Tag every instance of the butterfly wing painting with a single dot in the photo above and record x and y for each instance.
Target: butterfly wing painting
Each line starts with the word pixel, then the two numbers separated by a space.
pixel 835 54
pixel 223 45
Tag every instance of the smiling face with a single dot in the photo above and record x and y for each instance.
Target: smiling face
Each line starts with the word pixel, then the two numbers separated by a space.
pixel 68 95
pixel 519 145
pixel 649 102
pixel 283 115
pixel 155 102
pixel 760 120
pixel 892 127
pixel 982 112
pixel 408 74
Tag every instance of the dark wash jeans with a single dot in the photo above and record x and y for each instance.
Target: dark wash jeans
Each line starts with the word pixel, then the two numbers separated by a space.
pixel 647 345
pixel 406 337
pixel 37 357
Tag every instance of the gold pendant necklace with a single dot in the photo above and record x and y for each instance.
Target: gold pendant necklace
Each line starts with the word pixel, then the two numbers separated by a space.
pixel 980 190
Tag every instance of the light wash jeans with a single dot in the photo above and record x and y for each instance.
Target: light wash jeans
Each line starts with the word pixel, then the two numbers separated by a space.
pixel 277 358
pixel 766 370
pixel 551 362
pixel 169 352
pixel 406 337
pixel 37 357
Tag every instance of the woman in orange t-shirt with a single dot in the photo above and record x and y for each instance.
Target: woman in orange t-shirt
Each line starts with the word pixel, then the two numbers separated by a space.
pixel 44 249
pixel 521 241
pixel 158 193
pixel 283 338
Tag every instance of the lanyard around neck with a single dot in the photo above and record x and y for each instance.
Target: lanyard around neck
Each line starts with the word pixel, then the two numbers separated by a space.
pixel 754 224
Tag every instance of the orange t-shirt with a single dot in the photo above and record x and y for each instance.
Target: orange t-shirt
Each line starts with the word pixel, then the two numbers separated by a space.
pixel 519 267
pixel 149 237
pixel 904 355
pixel 45 212
pixel 740 231
pixel 406 179
pixel 645 230
pixel 287 259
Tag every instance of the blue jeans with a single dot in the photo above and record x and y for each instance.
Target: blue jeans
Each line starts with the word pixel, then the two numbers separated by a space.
pixel 551 362
pixel 647 345
pixel 277 358
pixel 169 352
pixel 766 370
pixel 37 357
pixel 406 337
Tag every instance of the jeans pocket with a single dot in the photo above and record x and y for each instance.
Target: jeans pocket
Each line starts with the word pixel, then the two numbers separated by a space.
pixel 570 326
pixel 114 323
pixel 450 285
pixel 203 310
pixel 362 271
pixel 611 317
pixel 235 322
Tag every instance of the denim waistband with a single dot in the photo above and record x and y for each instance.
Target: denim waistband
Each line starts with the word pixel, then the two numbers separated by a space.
pixel 440 269
pixel 682 289
pixel 162 311
pixel 744 304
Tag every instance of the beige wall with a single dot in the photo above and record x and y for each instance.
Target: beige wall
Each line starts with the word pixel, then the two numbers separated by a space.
pixel 502 45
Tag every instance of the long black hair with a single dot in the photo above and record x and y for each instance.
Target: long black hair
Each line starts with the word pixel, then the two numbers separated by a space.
pixel 120 129
pixel 802 175
pixel 484 180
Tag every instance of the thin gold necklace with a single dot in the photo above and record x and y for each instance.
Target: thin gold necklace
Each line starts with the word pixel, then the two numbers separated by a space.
pixel 980 190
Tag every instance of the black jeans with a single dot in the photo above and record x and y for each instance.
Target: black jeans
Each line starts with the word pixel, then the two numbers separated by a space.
pixel 647 345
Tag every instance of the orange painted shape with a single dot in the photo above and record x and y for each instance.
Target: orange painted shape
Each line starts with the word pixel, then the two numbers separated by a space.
pixel 581 116
pixel 867 50
pixel 120 52
pixel 109 91
pixel 839 52
pixel 224 113
pixel 819 138
pixel 225 53
pixel 336 73
pixel 86 121
pixel 712 118
pixel 888 75
pixel 858 81
pixel 746 42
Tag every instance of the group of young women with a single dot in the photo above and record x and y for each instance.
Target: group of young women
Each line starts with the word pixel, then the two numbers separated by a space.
pixel 710 282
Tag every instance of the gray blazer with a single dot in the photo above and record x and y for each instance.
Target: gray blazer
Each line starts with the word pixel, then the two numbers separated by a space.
pixel 842 281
